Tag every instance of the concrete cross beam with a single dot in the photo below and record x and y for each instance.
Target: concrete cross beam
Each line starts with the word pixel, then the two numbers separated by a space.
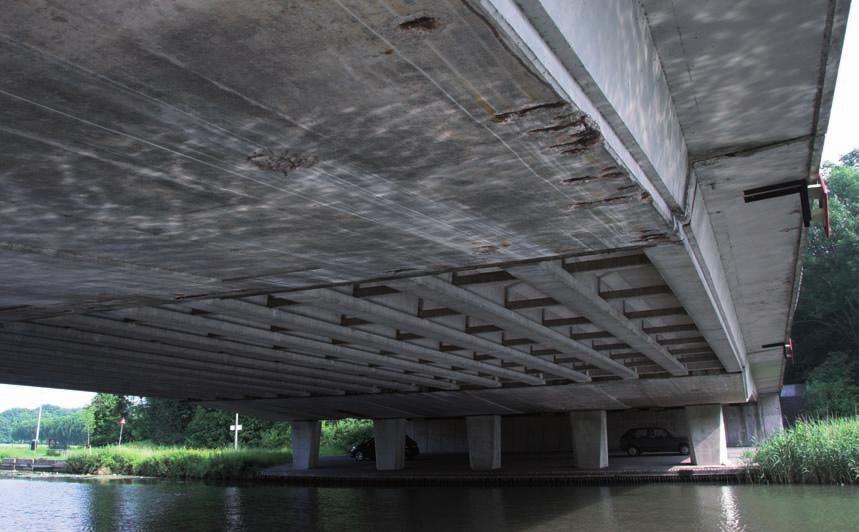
pixel 551 278
pixel 239 308
pixel 336 300
pixel 478 306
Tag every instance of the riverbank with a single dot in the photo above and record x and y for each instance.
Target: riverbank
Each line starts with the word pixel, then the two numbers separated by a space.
pixel 822 451
pixel 518 469
pixel 177 463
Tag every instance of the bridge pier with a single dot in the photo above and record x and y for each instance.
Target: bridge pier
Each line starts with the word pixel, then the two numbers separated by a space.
pixel 590 439
pixel 305 444
pixel 484 442
pixel 390 436
pixel 769 413
pixel 707 441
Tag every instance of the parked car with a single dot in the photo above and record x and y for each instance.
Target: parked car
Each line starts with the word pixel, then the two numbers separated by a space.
pixel 652 440
pixel 366 450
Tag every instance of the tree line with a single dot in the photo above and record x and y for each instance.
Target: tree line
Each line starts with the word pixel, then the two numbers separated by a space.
pixel 162 422
pixel 826 325
pixel 64 425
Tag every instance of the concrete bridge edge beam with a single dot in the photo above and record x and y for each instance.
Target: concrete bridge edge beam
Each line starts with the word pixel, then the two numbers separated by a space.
pixel 484 442
pixel 390 438
pixel 707 438
pixel 305 444
pixel 590 439
pixel 557 38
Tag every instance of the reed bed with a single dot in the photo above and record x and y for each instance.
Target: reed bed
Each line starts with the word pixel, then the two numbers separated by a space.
pixel 814 451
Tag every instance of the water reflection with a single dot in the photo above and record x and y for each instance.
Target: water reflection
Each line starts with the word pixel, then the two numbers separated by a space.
pixel 190 506
pixel 732 521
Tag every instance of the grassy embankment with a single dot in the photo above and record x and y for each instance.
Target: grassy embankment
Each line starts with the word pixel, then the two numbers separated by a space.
pixel 822 451
pixel 22 450
pixel 208 464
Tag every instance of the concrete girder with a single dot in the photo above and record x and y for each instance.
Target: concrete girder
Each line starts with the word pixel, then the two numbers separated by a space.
pixel 49 366
pixel 171 318
pixel 117 385
pixel 246 355
pixel 168 364
pixel 239 308
pixel 680 269
pixel 552 278
pixel 169 355
pixel 476 305
pixel 159 365
pixel 335 300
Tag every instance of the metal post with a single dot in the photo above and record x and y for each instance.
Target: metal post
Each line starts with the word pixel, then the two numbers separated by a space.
pixel 38 428
pixel 121 426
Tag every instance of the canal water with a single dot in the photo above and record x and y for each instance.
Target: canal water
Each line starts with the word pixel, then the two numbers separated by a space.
pixel 73 504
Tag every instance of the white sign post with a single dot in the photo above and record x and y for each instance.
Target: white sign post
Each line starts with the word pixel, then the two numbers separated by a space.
pixel 236 428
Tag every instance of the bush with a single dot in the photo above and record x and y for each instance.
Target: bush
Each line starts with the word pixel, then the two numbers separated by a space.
pixel 832 389
pixel 824 451
pixel 208 464
pixel 344 433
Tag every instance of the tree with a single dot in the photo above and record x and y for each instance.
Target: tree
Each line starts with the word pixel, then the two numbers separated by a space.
pixel 209 428
pixel 832 388
pixel 162 421
pixel 851 158
pixel 103 415
pixel 827 318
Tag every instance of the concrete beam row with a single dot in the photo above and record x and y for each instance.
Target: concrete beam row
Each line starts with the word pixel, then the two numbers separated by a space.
pixel 222 350
pixel 475 305
pixel 247 310
pixel 333 299
pixel 583 298
pixel 323 350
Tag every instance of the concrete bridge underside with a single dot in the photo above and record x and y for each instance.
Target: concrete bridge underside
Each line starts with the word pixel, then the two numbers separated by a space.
pixel 410 210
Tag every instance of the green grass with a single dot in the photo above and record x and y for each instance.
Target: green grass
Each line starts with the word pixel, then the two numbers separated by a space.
pixel 824 451
pixel 208 464
pixel 22 450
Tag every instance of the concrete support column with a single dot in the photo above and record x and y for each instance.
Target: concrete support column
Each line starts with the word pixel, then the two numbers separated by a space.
pixel 707 434
pixel 590 439
pixel 390 435
pixel 769 412
pixel 484 442
pixel 305 444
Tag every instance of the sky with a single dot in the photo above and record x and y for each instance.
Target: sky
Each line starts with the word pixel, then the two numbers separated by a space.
pixel 841 137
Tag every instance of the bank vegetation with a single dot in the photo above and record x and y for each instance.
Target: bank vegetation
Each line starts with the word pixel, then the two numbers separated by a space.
pixel 178 463
pixel 816 451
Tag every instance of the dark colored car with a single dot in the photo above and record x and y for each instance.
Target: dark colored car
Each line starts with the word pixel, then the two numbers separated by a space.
pixel 366 450
pixel 652 440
